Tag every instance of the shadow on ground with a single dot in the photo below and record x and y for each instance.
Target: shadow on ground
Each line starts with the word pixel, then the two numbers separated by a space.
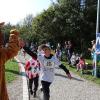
pixel 13 71
pixel 65 76
pixel 19 62
pixel 16 72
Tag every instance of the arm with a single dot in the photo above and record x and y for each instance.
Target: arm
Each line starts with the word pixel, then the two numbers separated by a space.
pixel 66 71
pixel 13 46
pixel 92 49
pixel 64 68
pixel 33 55
pixel 57 62
pixel 27 66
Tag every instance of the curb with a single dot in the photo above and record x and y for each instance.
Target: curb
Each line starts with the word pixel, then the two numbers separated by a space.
pixel 24 79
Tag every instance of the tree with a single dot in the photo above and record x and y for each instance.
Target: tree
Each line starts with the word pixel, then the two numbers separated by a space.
pixel 26 28
pixel 6 32
pixel 65 20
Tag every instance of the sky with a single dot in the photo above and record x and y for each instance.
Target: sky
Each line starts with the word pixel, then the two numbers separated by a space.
pixel 14 11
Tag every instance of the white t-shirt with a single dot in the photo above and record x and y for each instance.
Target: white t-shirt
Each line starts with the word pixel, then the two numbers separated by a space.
pixel 47 68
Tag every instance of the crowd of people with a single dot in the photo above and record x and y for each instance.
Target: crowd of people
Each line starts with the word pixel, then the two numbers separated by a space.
pixel 43 60
pixel 75 59
pixel 42 65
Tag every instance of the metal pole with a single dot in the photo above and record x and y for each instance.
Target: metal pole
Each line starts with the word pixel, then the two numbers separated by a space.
pixel 97 31
pixel 98 16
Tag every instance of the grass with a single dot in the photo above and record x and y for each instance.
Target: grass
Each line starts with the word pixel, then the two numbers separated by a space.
pixel 88 73
pixel 12 71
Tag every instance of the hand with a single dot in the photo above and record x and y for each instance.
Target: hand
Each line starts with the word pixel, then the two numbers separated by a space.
pixel 69 76
pixel 21 43
pixel 14 31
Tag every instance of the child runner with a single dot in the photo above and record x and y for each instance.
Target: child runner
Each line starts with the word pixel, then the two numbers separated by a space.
pixel 47 63
pixel 32 70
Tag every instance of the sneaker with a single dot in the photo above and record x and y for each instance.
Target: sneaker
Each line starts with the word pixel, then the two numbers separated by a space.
pixel 31 92
pixel 40 88
pixel 34 95
pixel 40 94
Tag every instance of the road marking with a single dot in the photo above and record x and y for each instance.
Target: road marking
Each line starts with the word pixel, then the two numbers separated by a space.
pixel 25 86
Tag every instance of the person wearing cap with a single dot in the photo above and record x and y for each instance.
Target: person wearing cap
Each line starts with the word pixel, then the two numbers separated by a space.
pixel 48 62
pixel 7 53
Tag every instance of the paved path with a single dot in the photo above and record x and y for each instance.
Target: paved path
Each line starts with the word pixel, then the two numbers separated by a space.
pixel 76 89
pixel 15 89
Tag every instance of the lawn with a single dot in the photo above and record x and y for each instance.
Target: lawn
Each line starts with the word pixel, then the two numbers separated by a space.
pixel 12 71
pixel 88 73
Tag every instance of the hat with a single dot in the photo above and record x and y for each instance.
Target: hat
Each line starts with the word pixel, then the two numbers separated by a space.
pixel 2 24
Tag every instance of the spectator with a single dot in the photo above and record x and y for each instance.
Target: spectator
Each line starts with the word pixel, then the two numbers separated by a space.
pixel 69 51
pixel 92 50
pixel 58 53
pixel 77 58
pixel 81 65
pixel 73 59
pixel 32 47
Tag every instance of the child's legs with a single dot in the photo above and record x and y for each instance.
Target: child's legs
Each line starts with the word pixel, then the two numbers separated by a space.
pixel 46 90
pixel 78 66
pixel 30 83
pixel 82 67
pixel 36 79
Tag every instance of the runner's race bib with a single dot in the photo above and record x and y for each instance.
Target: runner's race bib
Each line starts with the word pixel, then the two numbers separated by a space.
pixel 48 65
pixel 35 70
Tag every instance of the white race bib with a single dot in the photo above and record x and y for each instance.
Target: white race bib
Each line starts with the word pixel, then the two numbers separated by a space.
pixel 48 64
pixel 34 70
